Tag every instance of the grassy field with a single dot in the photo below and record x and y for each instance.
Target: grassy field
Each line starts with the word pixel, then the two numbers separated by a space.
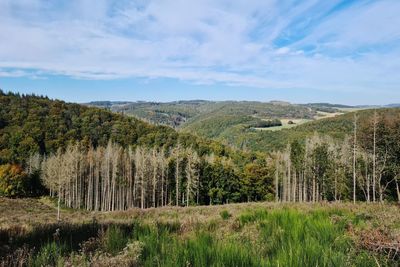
pixel 250 234
pixel 285 125
pixel 296 122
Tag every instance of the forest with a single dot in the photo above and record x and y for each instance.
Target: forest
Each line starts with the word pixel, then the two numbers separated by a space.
pixel 83 186
pixel 93 159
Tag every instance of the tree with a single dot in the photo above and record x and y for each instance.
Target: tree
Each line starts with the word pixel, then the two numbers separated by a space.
pixel 53 178
pixel 354 157
pixel 192 177
pixel 375 122
pixel 13 181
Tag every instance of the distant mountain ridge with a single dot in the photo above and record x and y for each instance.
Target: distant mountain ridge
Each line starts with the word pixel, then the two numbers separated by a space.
pixel 178 114
pixel 240 123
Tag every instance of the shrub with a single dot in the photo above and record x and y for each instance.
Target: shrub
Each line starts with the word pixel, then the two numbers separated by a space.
pixel 49 255
pixel 114 240
pixel 13 181
pixel 225 214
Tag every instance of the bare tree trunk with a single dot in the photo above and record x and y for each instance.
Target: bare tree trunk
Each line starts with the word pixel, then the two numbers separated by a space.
pixel 354 158
pixel 313 189
pixel 374 160
pixel 277 179
pixel 397 189
pixel 335 185
pixel 289 182
pixel 294 185
pixel 367 183
pixel 154 182
pixel 58 204
pixel 177 180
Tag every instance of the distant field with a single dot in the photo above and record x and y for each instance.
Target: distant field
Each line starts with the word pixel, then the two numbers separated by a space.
pixel 353 109
pixel 248 234
pixel 285 122
pixel 324 115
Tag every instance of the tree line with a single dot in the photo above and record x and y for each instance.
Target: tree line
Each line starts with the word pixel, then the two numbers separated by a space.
pixel 364 166
pixel 94 159
pixel 117 178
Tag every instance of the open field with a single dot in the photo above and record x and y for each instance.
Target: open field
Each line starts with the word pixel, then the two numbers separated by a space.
pixel 285 124
pixel 324 115
pixel 296 122
pixel 249 234
pixel 353 109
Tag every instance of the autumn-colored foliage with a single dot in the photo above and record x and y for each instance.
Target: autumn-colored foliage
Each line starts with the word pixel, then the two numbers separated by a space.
pixel 13 180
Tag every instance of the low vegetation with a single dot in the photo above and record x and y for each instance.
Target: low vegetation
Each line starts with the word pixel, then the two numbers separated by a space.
pixel 252 234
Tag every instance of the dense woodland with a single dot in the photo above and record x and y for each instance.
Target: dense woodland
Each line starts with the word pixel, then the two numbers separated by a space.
pixel 94 159
pixel 36 130
pixel 364 165
pixel 199 114
pixel 115 178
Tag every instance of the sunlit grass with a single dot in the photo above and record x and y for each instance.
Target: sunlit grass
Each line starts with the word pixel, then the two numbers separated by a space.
pixel 252 234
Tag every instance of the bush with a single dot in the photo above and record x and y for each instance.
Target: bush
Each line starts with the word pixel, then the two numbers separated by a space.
pixel 225 215
pixel 49 255
pixel 13 181
pixel 268 123
pixel 114 240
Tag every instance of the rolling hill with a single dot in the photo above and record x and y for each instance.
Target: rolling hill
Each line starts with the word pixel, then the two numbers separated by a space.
pixel 235 122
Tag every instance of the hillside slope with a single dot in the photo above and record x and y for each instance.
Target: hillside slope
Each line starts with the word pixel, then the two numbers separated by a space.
pixel 186 113
pixel 337 127
pixel 235 122
pixel 30 124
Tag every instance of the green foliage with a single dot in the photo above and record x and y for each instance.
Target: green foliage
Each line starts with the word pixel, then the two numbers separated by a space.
pixel 280 236
pixel 114 240
pixel 31 124
pixel 257 181
pixel 252 216
pixel 286 238
pixel 50 254
pixel 267 123
pixel 225 215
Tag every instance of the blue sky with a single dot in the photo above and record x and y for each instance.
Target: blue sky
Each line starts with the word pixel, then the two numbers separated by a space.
pixel 162 50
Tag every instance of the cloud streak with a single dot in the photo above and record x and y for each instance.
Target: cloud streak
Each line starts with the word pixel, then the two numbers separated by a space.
pixel 322 45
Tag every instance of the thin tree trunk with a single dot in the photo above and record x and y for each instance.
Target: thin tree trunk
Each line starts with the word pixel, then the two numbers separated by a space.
pixel 374 160
pixel 277 180
pixel 397 190
pixel 177 181
pixel 59 204
pixel 354 158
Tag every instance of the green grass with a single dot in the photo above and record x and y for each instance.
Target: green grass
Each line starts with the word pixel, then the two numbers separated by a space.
pixel 225 215
pixel 252 234
pixel 51 254
pixel 286 237
pixel 114 240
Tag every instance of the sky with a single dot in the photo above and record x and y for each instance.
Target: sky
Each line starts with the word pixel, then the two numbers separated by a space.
pixel 337 51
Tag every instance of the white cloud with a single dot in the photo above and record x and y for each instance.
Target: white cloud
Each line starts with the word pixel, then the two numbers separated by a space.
pixel 233 42
pixel 282 50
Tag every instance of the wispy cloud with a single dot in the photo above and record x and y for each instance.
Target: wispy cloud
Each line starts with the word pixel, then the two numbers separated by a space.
pixel 324 45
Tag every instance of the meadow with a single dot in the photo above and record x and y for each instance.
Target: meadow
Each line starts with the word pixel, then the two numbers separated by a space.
pixel 247 234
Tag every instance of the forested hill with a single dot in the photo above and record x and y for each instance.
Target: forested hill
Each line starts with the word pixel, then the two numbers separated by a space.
pixel 184 113
pixel 241 124
pixel 30 124
pixel 336 127
pixel 100 160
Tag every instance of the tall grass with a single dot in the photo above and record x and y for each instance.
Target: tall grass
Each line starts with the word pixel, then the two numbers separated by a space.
pixel 287 237
pixel 50 254
pixel 277 237
pixel 114 240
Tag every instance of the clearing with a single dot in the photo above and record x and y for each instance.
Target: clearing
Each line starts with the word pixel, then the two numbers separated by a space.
pixel 247 234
